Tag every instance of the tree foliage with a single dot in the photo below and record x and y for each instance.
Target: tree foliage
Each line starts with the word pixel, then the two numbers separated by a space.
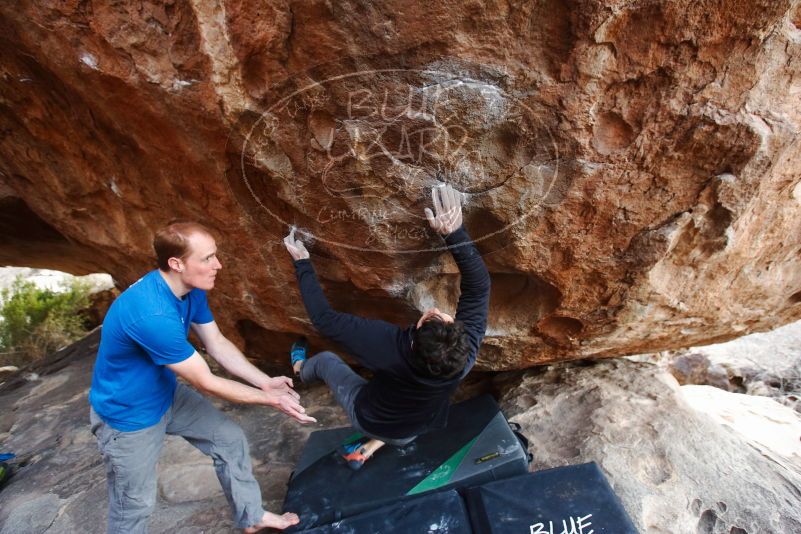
pixel 35 321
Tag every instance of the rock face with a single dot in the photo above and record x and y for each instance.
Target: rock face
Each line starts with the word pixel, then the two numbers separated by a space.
pixel 673 466
pixel 765 364
pixel 630 169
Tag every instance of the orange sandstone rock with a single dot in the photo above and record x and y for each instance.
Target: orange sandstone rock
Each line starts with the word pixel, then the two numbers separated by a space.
pixel 631 170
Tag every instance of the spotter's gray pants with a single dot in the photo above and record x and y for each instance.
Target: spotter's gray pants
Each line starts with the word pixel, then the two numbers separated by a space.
pixel 345 384
pixel 130 459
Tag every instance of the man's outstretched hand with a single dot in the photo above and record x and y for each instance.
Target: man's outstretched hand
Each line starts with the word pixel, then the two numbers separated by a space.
pixel 287 402
pixel 447 215
pixel 280 395
pixel 279 384
pixel 296 248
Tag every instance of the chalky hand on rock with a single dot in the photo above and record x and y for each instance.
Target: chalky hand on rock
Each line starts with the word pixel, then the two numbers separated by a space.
pixel 296 248
pixel 447 215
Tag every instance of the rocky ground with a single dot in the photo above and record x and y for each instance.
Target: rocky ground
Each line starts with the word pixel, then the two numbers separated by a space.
pixel 60 486
pixel 691 459
pixel 676 468
pixel 767 364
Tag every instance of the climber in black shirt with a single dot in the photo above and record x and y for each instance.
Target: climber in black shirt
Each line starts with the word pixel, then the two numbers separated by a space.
pixel 415 369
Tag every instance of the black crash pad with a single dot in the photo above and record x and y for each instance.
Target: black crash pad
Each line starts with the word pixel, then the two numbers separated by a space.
pixel 477 446
pixel 576 499
pixel 438 513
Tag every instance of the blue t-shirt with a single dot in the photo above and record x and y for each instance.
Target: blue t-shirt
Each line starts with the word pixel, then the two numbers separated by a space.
pixel 145 329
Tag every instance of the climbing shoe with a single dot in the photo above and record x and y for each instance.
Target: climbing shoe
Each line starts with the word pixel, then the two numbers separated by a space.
pixel 353 453
pixel 298 352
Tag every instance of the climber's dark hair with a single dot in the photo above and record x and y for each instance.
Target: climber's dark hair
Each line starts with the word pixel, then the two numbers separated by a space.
pixel 439 349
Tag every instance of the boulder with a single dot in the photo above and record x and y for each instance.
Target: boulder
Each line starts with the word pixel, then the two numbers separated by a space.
pixel 630 169
pixel 766 364
pixel 666 453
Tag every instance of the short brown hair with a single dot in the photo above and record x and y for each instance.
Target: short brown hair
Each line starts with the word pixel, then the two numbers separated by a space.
pixel 172 241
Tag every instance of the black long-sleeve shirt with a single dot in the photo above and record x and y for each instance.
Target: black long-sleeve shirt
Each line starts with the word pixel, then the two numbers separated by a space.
pixel 399 403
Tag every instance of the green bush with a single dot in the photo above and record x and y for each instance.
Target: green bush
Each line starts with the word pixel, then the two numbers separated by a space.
pixel 35 321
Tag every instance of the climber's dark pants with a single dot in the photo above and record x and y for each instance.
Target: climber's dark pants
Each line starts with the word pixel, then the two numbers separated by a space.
pixel 345 385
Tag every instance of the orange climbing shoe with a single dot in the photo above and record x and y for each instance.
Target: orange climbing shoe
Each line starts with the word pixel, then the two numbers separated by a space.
pixel 353 454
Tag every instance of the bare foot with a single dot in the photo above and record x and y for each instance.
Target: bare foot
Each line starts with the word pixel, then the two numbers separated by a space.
pixel 297 366
pixel 271 520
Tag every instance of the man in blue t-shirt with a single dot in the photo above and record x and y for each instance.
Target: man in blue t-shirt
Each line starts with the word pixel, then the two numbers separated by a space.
pixel 136 399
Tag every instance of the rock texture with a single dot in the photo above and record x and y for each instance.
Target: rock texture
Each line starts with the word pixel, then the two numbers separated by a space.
pixel 772 429
pixel 766 364
pixel 630 168
pixel 675 468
